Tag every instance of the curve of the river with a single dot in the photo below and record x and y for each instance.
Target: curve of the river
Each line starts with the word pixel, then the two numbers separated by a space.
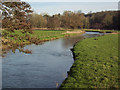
pixel 46 67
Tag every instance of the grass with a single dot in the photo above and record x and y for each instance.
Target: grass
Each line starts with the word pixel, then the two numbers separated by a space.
pixel 96 64
pixel 19 37
pixel 47 35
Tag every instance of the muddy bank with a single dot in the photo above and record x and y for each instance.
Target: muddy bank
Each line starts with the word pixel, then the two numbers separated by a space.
pixel 74 32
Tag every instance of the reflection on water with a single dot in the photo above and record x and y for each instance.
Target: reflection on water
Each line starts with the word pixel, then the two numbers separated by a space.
pixel 70 41
pixel 92 34
pixel 44 68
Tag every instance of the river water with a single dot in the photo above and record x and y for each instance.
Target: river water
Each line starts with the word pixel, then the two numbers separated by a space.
pixel 46 67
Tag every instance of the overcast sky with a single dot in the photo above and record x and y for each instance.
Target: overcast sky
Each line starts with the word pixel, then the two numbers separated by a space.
pixel 59 6
pixel 71 0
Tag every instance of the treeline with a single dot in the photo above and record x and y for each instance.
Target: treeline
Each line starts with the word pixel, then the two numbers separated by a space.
pixel 19 15
pixel 105 20
pixel 78 20
pixel 69 20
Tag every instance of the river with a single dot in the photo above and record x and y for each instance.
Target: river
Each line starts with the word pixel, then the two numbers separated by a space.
pixel 46 67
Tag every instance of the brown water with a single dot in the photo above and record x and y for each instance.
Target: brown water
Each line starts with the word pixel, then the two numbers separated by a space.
pixel 46 67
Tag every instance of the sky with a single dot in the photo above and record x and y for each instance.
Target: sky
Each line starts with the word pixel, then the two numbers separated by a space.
pixel 72 0
pixel 52 7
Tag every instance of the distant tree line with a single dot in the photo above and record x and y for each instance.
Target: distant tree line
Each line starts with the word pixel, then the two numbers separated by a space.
pixel 105 20
pixel 78 20
pixel 68 20
pixel 19 15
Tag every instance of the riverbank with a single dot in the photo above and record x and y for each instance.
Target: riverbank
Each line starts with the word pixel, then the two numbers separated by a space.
pixel 18 39
pixel 102 31
pixel 96 63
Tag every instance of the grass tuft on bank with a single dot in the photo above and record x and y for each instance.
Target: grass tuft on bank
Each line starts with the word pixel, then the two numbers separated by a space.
pixel 96 64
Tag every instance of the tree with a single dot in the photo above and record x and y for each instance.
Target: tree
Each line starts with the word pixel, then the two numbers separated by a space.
pixel 73 19
pixel 18 13
pixel 54 22
pixel 38 21
pixel 107 21
pixel 87 23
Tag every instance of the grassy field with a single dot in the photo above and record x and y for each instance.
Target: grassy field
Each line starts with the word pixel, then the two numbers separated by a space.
pixel 18 36
pixel 47 35
pixel 96 64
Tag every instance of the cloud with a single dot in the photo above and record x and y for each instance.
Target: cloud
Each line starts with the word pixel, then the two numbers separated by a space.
pixel 55 7
pixel 71 0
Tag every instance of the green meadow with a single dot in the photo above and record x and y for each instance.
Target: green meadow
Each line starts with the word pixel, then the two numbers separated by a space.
pixel 20 36
pixel 96 63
